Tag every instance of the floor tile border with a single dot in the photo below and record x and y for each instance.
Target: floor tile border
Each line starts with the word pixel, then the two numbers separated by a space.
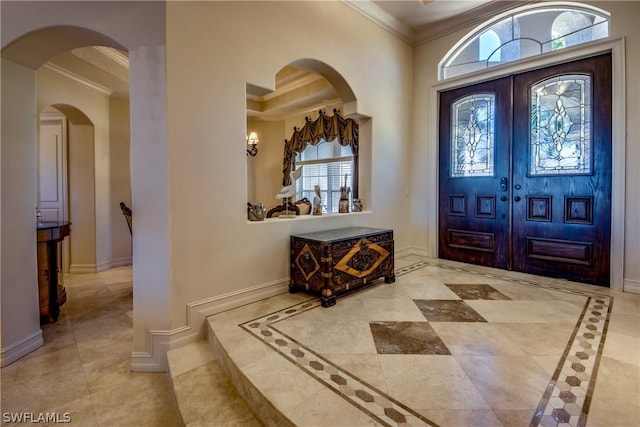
pixel 373 402
pixel 566 399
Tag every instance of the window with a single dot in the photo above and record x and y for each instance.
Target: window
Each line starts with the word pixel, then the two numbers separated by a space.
pixel 329 165
pixel 472 136
pixel 561 126
pixel 489 46
pixel 525 32
pixel 570 28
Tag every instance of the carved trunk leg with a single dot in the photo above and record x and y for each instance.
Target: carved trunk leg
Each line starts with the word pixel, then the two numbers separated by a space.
pixel 328 298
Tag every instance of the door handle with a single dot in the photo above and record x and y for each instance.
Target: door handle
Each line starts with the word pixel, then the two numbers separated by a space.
pixel 504 183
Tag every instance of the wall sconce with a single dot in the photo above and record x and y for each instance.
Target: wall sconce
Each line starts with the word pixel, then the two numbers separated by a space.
pixel 252 144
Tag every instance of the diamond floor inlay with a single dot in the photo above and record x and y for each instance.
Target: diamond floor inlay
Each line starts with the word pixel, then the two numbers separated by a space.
pixel 475 291
pixel 451 345
pixel 406 338
pixel 448 311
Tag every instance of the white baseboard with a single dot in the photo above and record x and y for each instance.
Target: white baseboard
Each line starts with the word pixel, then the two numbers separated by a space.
pixel 161 341
pixel 121 262
pixel 412 250
pixel 632 286
pixel 96 268
pixel 82 268
pixel 112 263
pixel 21 348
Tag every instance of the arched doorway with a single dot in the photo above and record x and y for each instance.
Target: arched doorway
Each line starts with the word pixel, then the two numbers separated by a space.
pixel 32 37
pixel 76 181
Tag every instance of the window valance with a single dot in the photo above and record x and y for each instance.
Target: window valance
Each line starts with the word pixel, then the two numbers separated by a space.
pixel 324 128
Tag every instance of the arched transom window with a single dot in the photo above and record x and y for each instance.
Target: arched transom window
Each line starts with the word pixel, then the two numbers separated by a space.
pixel 527 31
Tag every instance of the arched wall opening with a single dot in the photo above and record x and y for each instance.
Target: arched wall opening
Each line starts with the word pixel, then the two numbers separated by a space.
pixel 274 114
pixel 66 180
pixel 31 37
pixel 80 189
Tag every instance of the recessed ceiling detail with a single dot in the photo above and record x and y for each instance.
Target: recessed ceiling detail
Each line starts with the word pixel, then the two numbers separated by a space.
pixel 414 21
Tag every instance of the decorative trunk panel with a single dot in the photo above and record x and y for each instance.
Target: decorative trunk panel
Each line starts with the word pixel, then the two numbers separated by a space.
pixel 332 262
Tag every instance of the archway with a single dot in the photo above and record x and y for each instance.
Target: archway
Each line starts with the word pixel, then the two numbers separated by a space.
pixel 30 38
pixel 303 87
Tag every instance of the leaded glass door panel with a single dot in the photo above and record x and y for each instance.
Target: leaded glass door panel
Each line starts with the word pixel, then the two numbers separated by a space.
pixel 475 135
pixel 525 172
pixel 562 189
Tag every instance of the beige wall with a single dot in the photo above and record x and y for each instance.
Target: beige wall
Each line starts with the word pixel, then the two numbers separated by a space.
pixel 82 193
pixel 19 293
pixel 624 19
pixel 223 253
pixel 264 171
pixel 120 179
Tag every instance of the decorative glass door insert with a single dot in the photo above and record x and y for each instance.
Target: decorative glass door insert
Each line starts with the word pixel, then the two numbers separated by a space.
pixel 560 140
pixel 472 139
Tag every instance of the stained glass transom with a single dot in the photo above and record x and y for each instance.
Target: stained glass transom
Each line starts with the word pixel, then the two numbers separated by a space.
pixel 472 136
pixel 561 126
pixel 524 32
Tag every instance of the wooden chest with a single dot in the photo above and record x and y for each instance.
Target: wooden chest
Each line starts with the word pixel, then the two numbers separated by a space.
pixel 332 262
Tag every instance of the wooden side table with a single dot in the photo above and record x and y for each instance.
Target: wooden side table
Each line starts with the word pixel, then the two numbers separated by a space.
pixel 51 295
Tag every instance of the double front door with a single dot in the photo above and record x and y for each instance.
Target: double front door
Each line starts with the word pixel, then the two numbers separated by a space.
pixel 525 172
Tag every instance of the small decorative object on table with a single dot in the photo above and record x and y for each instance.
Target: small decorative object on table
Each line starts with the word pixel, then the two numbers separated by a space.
pixel 357 205
pixel 255 212
pixel 304 206
pixel 332 262
pixel 289 190
pixel 343 204
pixel 317 201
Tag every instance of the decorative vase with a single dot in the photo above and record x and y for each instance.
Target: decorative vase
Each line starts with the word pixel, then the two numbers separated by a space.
pixel 255 212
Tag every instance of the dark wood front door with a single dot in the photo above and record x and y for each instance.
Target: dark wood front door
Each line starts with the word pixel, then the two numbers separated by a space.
pixel 525 172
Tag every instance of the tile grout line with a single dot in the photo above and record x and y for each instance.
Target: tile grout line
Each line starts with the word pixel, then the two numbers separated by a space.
pixel 368 399
pixel 262 329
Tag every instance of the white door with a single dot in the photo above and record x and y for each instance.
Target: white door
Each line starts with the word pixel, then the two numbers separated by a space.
pixel 52 176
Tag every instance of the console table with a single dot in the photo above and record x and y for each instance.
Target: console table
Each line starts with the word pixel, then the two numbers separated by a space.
pixel 52 295
pixel 332 262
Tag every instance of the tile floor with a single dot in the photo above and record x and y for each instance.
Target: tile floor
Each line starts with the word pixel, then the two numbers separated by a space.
pixel 84 367
pixel 447 344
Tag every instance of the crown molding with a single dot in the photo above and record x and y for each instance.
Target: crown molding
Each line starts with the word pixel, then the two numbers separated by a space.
pixel 419 35
pixel 383 19
pixel 114 55
pixel 52 68
pixel 475 16
pixel 293 85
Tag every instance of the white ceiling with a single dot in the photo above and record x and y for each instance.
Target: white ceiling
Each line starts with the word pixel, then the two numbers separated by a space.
pixel 418 21
pixel 415 21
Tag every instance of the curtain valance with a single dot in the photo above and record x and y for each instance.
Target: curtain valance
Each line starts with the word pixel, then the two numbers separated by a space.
pixel 324 128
